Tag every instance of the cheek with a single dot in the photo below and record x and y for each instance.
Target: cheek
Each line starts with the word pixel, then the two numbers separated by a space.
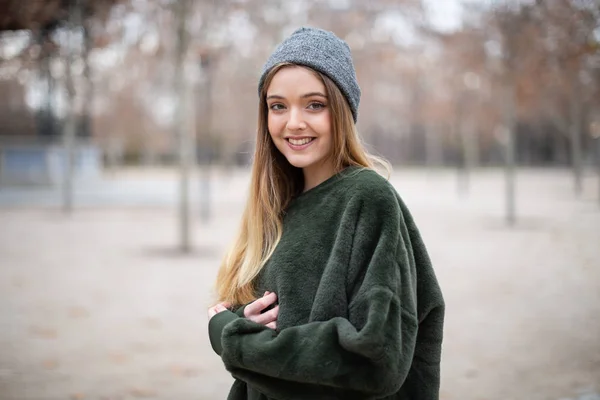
pixel 324 125
pixel 274 125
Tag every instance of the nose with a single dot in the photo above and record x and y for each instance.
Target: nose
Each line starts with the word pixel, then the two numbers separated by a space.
pixel 296 120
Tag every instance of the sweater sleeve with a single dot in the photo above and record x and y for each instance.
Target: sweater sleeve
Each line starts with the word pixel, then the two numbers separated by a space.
pixel 218 322
pixel 369 353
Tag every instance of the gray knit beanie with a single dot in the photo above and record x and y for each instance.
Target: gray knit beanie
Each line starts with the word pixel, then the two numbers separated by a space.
pixel 322 51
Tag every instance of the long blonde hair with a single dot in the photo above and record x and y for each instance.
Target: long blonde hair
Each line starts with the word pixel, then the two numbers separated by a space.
pixel 274 183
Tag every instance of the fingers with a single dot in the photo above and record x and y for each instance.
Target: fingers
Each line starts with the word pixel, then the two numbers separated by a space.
pixel 214 310
pixel 254 311
pixel 220 307
pixel 272 325
pixel 255 308
pixel 226 304
pixel 267 317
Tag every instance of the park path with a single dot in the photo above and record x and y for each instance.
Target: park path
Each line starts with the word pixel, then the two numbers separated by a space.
pixel 99 305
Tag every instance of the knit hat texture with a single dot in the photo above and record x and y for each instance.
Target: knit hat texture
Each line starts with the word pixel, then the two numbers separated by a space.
pixel 322 51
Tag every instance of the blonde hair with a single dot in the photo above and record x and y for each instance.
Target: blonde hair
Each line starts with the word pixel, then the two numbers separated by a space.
pixel 274 183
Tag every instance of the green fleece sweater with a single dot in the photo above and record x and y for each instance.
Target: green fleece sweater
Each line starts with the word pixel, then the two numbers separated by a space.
pixel 360 310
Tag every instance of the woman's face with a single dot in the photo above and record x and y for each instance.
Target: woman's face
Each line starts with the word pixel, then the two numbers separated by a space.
pixel 299 120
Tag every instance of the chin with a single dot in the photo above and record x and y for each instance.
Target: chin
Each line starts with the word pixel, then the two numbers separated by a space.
pixel 299 163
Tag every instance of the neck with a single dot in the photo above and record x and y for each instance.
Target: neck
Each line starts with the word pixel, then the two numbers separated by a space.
pixel 317 174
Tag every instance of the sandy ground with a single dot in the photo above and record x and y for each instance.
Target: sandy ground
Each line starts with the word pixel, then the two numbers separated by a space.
pixel 100 305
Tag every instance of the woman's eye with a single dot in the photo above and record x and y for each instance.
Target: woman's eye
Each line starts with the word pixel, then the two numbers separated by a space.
pixel 276 107
pixel 316 106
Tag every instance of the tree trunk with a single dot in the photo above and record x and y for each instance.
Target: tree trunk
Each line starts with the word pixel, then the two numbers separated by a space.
pixel 205 173
pixel 510 160
pixel 464 173
pixel 470 149
pixel 46 126
pixel 182 127
pixel 460 132
pixel 433 146
pixel 598 165
pixel 149 156
pixel 69 128
pixel 575 136
pixel 87 76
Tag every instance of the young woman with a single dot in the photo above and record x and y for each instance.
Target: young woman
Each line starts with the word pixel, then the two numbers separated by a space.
pixel 328 292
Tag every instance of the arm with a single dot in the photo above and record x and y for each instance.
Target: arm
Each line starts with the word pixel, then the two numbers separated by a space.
pixel 263 311
pixel 369 353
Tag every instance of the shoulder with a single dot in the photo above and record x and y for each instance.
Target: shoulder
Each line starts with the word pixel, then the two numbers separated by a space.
pixel 371 189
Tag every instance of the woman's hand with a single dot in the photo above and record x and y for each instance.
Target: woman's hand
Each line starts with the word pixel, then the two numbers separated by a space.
pixel 254 310
pixel 214 310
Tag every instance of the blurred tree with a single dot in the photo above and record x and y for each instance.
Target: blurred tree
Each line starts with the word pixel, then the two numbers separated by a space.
pixel 428 96
pixel 511 28
pixel 568 41
pixel 184 133
pixel 50 22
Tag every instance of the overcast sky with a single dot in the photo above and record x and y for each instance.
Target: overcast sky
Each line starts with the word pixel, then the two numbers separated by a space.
pixel 447 14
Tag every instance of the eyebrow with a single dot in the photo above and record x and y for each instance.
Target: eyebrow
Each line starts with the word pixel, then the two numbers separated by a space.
pixel 311 94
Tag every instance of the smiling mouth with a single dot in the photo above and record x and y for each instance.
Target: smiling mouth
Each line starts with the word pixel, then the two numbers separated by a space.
pixel 299 142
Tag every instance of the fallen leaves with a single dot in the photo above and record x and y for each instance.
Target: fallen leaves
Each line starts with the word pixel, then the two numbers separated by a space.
pixel 152 323
pixel 43 332
pixel 118 358
pixel 50 364
pixel 18 281
pixel 143 347
pixel 142 392
pixel 78 312
pixel 183 371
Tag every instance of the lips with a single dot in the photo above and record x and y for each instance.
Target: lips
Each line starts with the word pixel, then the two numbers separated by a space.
pixel 299 143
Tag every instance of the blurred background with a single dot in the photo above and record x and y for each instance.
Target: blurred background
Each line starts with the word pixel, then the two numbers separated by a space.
pixel 126 134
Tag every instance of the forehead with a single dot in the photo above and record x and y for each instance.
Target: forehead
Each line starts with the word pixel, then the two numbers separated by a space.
pixel 295 79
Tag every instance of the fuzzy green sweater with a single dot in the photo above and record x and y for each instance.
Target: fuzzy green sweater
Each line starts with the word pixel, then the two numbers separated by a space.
pixel 360 309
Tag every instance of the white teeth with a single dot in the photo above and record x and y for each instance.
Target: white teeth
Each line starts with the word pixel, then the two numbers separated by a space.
pixel 299 142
